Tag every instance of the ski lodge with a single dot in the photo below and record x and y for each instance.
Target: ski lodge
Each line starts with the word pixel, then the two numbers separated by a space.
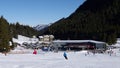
pixel 79 45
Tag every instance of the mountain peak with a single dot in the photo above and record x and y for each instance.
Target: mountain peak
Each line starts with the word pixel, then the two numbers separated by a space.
pixel 41 26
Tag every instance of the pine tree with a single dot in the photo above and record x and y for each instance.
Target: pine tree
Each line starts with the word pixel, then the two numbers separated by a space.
pixel 4 35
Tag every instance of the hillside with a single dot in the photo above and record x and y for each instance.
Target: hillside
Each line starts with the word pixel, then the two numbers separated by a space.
pixel 18 29
pixel 94 19
pixel 41 28
pixel 8 31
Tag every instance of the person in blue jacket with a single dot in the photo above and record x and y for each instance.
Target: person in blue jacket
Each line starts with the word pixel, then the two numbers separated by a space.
pixel 65 55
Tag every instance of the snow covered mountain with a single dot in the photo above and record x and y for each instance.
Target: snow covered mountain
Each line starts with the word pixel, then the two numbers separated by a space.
pixel 41 26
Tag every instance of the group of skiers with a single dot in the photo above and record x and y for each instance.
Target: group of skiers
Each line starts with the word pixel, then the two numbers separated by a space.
pixel 64 54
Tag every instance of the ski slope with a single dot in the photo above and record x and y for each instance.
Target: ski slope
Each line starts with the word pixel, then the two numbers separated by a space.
pixel 23 58
pixel 56 60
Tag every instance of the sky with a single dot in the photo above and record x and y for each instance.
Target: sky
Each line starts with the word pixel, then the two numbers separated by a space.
pixel 35 12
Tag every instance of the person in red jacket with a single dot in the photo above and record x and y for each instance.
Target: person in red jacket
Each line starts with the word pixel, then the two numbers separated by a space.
pixel 35 51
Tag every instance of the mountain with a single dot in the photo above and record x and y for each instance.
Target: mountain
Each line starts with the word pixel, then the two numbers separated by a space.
pixel 94 19
pixel 40 27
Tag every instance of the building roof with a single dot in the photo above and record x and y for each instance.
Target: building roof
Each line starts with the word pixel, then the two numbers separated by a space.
pixel 76 41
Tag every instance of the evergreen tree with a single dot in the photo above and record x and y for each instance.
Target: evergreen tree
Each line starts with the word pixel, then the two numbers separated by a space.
pixel 4 35
pixel 25 30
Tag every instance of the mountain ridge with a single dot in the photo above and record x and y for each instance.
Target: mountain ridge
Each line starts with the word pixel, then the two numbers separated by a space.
pixel 41 26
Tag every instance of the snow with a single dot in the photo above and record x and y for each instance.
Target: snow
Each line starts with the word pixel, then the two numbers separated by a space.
pixel 23 58
pixel 56 60
pixel 21 39
pixel 117 44
pixel 41 26
pixel 73 41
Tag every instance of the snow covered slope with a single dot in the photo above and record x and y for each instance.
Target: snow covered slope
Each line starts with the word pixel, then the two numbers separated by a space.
pixel 21 39
pixel 56 60
pixel 40 27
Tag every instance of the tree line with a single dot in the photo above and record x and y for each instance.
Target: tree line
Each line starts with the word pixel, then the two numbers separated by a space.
pixel 25 30
pixel 8 31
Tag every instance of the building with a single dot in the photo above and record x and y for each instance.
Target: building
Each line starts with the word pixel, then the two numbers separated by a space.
pixel 46 38
pixel 79 45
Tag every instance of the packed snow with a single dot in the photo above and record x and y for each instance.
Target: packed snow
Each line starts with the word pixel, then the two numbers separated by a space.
pixel 56 60
pixel 24 58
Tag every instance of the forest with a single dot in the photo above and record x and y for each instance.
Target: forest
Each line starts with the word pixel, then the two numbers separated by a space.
pixel 94 19
pixel 8 31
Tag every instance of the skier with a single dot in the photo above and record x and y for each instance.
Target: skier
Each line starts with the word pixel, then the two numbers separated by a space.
pixel 65 56
pixel 111 52
pixel 35 52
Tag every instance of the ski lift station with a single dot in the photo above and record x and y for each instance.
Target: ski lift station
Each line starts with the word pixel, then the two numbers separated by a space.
pixel 79 45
